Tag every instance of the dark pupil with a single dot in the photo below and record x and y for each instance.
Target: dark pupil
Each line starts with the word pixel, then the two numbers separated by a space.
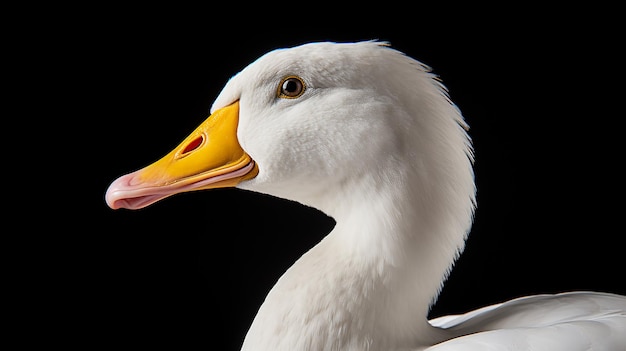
pixel 290 86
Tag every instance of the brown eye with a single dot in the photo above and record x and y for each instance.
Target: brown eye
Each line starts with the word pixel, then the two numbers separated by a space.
pixel 291 87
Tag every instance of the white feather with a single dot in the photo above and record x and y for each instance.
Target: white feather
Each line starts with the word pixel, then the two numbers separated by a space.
pixel 376 143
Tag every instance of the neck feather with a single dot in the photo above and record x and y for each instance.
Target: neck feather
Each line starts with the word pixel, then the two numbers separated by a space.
pixel 370 283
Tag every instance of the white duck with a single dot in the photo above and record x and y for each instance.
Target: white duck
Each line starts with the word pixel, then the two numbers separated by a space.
pixel 369 136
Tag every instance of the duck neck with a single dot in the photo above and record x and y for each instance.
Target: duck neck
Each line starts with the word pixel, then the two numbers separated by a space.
pixel 369 284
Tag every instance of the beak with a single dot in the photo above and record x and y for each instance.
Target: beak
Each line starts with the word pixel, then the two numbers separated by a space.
pixel 210 157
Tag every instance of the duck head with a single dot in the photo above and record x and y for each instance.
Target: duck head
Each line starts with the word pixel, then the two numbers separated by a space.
pixel 314 121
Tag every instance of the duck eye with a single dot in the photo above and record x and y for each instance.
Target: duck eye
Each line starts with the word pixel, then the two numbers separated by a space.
pixel 291 87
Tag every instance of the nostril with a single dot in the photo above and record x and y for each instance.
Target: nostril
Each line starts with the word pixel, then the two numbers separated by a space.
pixel 193 145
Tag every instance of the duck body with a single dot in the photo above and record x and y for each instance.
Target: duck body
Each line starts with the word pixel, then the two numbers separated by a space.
pixel 577 320
pixel 370 137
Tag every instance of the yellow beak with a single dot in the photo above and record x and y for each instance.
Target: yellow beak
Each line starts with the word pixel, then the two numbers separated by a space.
pixel 210 157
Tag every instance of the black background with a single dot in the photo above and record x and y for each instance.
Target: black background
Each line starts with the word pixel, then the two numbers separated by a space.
pixel 117 89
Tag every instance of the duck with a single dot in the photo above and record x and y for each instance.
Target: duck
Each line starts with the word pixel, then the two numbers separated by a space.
pixel 369 136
